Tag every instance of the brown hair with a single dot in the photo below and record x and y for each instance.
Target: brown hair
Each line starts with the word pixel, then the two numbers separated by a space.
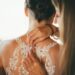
pixel 68 51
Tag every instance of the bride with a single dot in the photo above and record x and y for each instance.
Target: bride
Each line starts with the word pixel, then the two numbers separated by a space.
pixel 15 53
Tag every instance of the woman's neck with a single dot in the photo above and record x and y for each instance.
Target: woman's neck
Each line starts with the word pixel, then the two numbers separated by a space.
pixel 33 24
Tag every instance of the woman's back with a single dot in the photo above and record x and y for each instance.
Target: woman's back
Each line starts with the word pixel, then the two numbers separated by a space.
pixel 14 55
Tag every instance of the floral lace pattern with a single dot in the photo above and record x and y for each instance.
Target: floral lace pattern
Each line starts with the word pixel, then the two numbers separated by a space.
pixel 22 50
pixel 44 53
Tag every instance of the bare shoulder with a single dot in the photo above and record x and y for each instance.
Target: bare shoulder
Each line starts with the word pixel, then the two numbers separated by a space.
pixel 10 46
pixel 7 51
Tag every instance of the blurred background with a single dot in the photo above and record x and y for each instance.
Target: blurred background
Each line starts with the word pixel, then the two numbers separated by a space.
pixel 13 22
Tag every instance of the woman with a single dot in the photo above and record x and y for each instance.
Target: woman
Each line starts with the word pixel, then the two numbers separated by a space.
pixel 15 55
pixel 67 63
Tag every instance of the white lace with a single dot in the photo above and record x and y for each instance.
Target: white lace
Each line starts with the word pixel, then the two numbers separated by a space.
pixel 44 53
pixel 22 50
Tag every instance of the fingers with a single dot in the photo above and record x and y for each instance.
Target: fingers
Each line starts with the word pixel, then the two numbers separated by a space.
pixel 32 57
pixel 31 35
pixel 39 40
pixel 40 34
pixel 33 50
pixel 31 65
pixel 33 38
pixel 29 60
pixel 26 65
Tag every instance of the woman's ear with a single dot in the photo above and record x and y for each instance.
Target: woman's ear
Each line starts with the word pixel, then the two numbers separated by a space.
pixel 26 11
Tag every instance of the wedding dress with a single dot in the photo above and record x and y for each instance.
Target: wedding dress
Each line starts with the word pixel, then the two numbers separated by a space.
pixel 15 64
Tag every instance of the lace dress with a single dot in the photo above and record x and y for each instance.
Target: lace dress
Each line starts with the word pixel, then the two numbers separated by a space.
pixel 16 66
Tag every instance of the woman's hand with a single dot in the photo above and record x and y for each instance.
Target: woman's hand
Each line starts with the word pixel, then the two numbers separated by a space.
pixel 41 33
pixel 33 65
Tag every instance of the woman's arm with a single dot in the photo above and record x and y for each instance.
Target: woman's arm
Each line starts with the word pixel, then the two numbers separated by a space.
pixel 33 65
